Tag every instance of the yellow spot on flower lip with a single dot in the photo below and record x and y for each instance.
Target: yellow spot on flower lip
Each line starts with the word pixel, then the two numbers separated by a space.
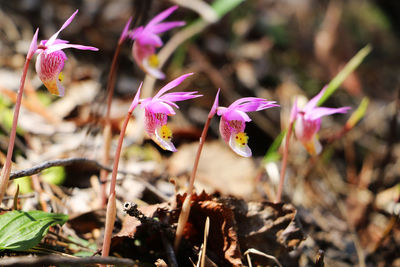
pixel 166 133
pixel 153 61
pixel 61 77
pixel 241 139
pixel 163 137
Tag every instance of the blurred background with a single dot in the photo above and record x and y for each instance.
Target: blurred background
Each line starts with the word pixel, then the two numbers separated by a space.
pixel 347 198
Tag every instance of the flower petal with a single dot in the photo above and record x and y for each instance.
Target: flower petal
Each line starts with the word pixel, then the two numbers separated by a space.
pixel 163 137
pixel 66 23
pixel 236 115
pixel 179 96
pixel 313 146
pixel 135 101
pixel 163 27
pixel 314 101
pixel 148 38
pixel 61 46
pixel 320 112
pixel 158 106
pixel 163 15
pixel 240 149
pixel 172 84
pixel 33 46
pixel 155 72
pixel 48 68
pixel 125 31
pixel 214 106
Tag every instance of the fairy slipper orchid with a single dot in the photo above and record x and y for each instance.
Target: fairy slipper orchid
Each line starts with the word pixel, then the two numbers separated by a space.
pixel 233 122
pixel 146 40
pixel 51 58
pixel 308 122
pixel 158 108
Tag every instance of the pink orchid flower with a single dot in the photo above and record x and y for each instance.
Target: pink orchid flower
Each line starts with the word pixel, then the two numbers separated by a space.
pixel 147 40
pixel 158 108
pixel 51 58
pixel 308 122
pixel 233 122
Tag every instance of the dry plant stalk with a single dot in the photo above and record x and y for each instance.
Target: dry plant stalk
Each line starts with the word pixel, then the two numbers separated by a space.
pixel 5 172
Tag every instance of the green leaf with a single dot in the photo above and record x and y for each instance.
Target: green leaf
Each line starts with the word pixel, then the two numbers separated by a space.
pixel 342 75
pixel 222 7
pixel 272 154
pixel 21 230
pixel 358 114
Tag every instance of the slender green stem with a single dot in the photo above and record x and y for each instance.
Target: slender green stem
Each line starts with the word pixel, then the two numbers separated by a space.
pixel 5 174
pixel 284 163
pixel 111 206
pixel 107 127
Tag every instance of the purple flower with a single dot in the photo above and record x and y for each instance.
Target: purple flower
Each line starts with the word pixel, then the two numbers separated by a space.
pixel 233 122
pixel 308 122
pixel 158 108
pixel 51 58
pixel 147 40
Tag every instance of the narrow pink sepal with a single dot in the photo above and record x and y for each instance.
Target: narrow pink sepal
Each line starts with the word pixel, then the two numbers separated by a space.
pixel 135 101
pixel 178 96
pixel 214 106
pixel 61 46
pixel 165 26
pixel 33 46
pixel 66 23
pixel 172 84
pixel 125 31
pixel 313 101
pixel 319 112
pixel 163 15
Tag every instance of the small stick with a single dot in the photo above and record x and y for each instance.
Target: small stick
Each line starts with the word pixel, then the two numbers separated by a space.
pixel 54 260
pixel 257 252
pixel 204 247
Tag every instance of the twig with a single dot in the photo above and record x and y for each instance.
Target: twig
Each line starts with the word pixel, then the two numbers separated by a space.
pixel 30 195
pixel 58 162
pixel 87 163
pixel 255 251
pixel 58 261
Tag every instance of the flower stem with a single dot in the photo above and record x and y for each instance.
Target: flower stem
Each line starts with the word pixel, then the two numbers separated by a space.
pixel 111 206
pixel 5 173
pixel 284 163
pixel 107 127
pixel 184 215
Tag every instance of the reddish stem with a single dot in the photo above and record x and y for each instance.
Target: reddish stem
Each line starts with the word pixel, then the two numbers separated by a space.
pixel 5 174
pixel 184 215
pixel 284 163
pixel 111 207
pixel 107 127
